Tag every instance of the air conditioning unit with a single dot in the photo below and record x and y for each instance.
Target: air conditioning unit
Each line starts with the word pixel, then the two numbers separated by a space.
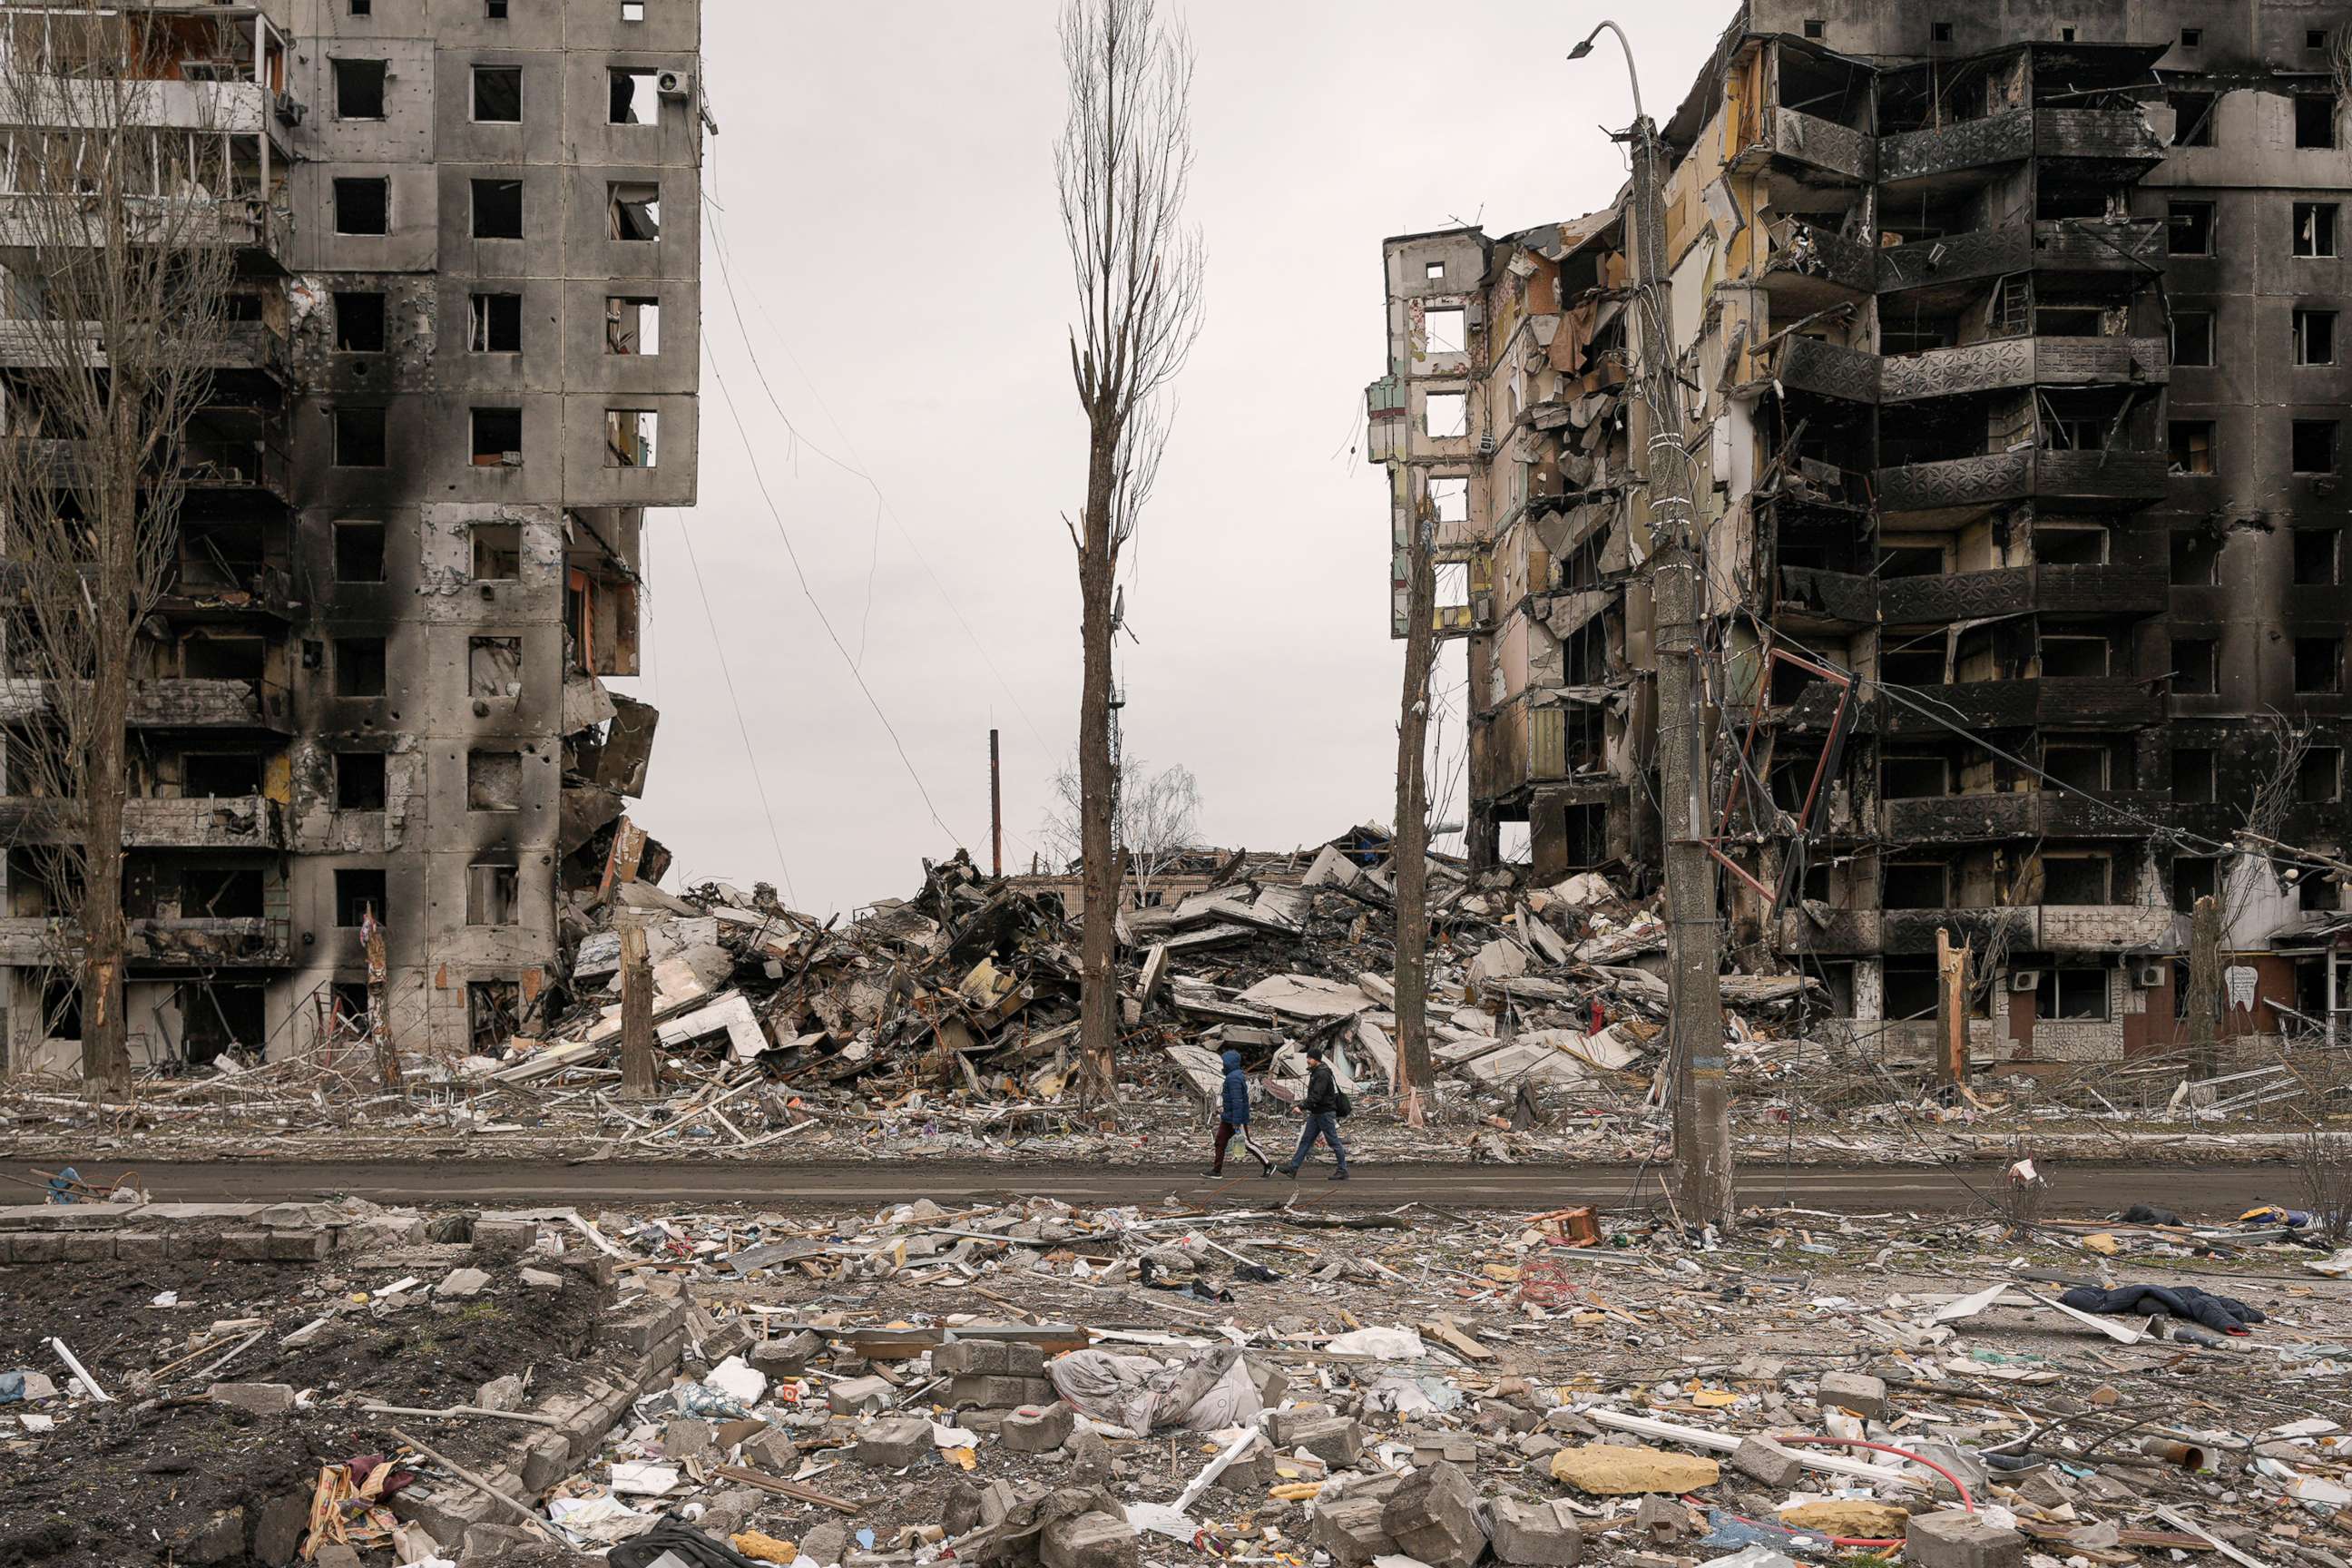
pixel 2149 976
pixel 2025 980
pixel 290 108
pixel 675 84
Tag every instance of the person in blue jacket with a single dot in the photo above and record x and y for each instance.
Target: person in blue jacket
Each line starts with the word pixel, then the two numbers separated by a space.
pixel 1233 1116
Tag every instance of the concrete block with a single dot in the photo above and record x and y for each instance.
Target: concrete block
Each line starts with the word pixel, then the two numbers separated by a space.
pixel 500 1393
pixel 1039 1429
pixel 1335 1440
pixel 1092 1540
pixel 379 1232
pixel 1272 1382
pixel 141 1246
pixel 988 1358
pixel 1761 1460
pixel 261 1398
pixel 1281 1424
pixel 893 1442
pixel 856 1396
pixel 540 1280
pixel 1349 1530
pixel 242 1245
pixel 772 1450
pixel 462 1283
pixel 1855 1391
pixel 299 1246
pixel 85 1247
pixel 997 1501
pixel 825 1544
pixel 1958 1539
pixel 1433 1515
pixel 336 1555
pixel 219 1539
pixel 788 1355
pixel 1001 1393
pixel 1537 1534
pixel 688 1439
pixel 504 1239
pixel 486 1544
pixel 545 1462
pixel 1250 1476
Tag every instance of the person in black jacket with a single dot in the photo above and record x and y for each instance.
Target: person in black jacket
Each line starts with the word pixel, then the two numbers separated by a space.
pixel 1322 1108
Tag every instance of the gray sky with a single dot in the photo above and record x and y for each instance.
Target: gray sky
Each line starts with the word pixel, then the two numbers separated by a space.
pixel 883 184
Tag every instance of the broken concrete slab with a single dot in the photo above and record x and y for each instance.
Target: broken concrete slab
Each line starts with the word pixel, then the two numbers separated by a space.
pixel 1537 1534
pixel 1039 1429
pixel 1433 1515
pixel 1608 1469
pixel 894 1442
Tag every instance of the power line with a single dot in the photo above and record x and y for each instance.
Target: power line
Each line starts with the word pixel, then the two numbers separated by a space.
pixel 853 468
pixel 750 752
pixel 761 479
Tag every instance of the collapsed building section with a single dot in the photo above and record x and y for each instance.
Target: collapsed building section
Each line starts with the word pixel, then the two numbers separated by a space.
pixel 373 701
pixel 2010 348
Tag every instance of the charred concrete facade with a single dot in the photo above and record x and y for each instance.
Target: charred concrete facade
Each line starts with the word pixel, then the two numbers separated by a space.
pixel 473 285
pixel 2008 332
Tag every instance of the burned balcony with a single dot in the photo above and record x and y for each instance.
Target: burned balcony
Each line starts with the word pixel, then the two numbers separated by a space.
pixel 171 704
pixel 248 822
pixel 1811 364
pixel 1937 599
pixel 242 346
pixel 2120 139
pixel 2119 478
pixel 1955 258
pixel 217 942
pixel 1815 927
pixel 1822 144
pixel 2087 702
pixel 2038 928
pixel 2022 814
pixel 1981 143
pixel 1808 595
pixel 1548 739
pixel 1810 266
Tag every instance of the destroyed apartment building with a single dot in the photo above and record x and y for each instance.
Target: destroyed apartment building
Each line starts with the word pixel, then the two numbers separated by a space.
pixel 2009 341
pixel 464 363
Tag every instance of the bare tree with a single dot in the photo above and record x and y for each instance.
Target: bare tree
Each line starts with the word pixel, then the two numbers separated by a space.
pixel 1413 1070
pixel 1156 819
pixel 117 246
pixel 1124 163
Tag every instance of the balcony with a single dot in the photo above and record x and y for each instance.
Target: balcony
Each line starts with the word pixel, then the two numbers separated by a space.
pixel 253 944
pixel 1802 259
pixel 1527 744
pixel 2003 363
pixel 1955 258
pixel 2083 701
pixel 1810 365
pixel 1832 934
pixel 264 592
pixel 2042 927
pixel 2023 814
pixel 2005 138
pixel 242 346
pixel 2092 245
pixel 2104 135
pixel 1828 598
pixel 2116 478
pixel 170 704
pixel 1822 144
pixel 2016 590
pixel 244 223
pixel 243 822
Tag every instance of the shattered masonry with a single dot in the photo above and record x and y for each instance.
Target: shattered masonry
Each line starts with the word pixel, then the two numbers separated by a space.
pixel 471 281
pixel 2014 341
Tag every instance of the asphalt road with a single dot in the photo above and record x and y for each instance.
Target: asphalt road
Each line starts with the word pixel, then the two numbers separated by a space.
pixel 2195 1190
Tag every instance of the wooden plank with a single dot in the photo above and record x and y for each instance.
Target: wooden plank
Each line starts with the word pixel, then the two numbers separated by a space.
pixel 793 1489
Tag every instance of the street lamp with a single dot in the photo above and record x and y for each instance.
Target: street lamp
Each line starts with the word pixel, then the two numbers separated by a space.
pixel 1585 48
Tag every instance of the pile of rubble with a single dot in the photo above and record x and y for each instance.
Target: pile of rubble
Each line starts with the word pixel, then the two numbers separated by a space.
pixel 1087 1389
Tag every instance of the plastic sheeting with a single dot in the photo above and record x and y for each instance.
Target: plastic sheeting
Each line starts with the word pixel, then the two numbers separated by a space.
pixel 1207 1393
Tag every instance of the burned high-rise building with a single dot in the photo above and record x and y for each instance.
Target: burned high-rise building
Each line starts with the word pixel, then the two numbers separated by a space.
pixel 466 293
pixel 2009 336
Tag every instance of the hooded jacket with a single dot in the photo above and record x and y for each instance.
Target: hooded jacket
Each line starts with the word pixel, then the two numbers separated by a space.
pixel 1234 1106
pixel 1322 1091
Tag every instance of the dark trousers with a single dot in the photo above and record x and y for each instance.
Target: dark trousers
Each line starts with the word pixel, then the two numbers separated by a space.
pixel 1324 1125
pixel 1226 1132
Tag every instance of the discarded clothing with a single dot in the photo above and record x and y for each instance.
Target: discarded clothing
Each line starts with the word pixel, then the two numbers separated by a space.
pixel 1207 1394
pixel 2225 1314
pixel 673 1535
pixel 2144 1213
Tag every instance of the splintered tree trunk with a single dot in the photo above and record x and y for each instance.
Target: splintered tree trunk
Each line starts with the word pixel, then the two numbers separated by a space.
pixel 2204 986
pixel 1413 1071
pixel 636 1015
pixel 1098 973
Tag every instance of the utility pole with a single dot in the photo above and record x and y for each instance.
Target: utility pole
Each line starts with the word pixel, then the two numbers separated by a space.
pixel 1702 1110
pixel 995 810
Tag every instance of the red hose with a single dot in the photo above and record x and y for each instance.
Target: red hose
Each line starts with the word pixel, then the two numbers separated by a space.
pixel 1959 1485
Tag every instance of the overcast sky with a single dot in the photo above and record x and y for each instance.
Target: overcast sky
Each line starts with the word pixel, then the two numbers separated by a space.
pixel 883 190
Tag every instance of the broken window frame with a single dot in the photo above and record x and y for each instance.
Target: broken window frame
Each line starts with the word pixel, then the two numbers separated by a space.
pixel 1452 591
pixel 493 667
pixel 1457 403
pixel 2187 887
pixel 2193 113
pixel 2074 993
pixel 494 322
pixel 2186 224
pixel 1455 318
pixel 356 184
pixel 497 549
pixel 1451 504
pixel 362 781
pixel 493 1013
pixel 493 893
pixel 493 779
pixel 643 95
pixel 499 74
pixel 632 321
pixel 360 435
pixel 481 221
pixel 345 72
pixel 2314 335
pixel 359 888
pixel 363 551
pixel 632 211
pixel 2324 546
pixel 2315 231
pixel 2318 666
pixel 2318 122
pixel 2199 673
pixel 486 425
pixel 354 319
pixel 2190 447
pixel 632 437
